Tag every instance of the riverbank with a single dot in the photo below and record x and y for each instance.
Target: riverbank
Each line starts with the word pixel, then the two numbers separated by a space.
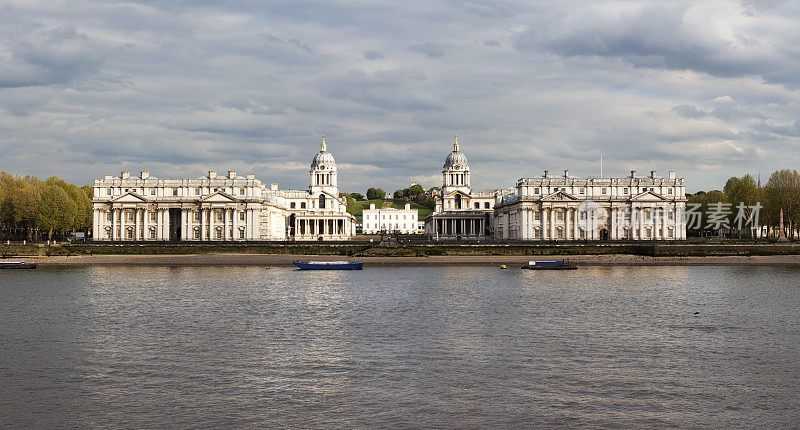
pixel 484 260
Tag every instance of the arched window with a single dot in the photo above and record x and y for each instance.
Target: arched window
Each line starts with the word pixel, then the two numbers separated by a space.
pixel 458 201
pixel 322 201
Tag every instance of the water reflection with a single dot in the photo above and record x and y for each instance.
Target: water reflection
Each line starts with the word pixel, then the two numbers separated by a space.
pixel 388 347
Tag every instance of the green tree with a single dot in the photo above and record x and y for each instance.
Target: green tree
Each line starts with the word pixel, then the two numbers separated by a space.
pixel 705 200
pixel 415 191
pixel 375 193
pixel 782 192
pixel 357 196
pixel 25 201
pixel 56 210
pixel 741 191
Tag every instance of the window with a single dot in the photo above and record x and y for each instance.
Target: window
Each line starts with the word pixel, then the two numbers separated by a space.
pixel 175 192
pixel 671 215
pixel 197 216
pixel 477 205
pixel 241 233
pixel 153 216
pixel 669 191
pixel 219 216
pixel 108 191
pixel 242 215
pixel 582 190
pixel 292 205
pixel 196 233
pixel 302 205
pixel 241 191
pixel 109 216
pixel 536 191
pixel 152 233
pixel 536 215
pixel 322 201
pixel 603 191
pixel 486 205
pixel 560 215
pixel 625 191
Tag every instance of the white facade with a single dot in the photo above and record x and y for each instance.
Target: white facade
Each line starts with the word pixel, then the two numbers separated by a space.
pixel 570 208
pixel 220 208
pixel 460 212
pixel 403 221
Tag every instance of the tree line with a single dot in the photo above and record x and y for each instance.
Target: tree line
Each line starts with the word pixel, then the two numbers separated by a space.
pixel 781 192
pixel 32 209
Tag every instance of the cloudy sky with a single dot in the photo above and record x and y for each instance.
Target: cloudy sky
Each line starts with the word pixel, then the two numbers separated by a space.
pixel 708 88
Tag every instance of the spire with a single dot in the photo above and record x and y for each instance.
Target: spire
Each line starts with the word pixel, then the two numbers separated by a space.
pixel 324 147
pixel 455 144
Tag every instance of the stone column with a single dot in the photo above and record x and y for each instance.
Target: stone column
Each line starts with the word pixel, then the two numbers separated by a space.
pixel 551 219
pixel 225 223
pixel 166 224
pixel 202 212
pixel 567 227
pixel 212 234
pixel 114 221
pixel 543 222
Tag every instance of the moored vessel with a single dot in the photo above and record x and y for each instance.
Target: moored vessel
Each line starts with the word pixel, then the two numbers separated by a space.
pixel 328 265
pixel 550 265
pixel 16 265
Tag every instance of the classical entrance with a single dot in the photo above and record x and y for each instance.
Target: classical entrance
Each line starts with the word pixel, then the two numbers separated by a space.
pixel 603 234
pixel 175 220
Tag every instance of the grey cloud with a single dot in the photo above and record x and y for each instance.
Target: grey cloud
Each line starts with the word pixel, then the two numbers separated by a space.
pixel 381 89
pixel 47 56
pixel 373 55
pixel 431 49
pixel 663 36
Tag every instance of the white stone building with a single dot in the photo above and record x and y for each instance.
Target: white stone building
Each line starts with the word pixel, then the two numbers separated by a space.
pixel 221 208
pixel 389 220
pixel 460 211
pixel 570 208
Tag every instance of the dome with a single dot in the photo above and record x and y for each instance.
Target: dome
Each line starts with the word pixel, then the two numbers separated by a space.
pixel 323 158
pixel 456 158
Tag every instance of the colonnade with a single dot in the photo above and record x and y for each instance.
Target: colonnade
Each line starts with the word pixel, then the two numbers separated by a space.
pixel 570 223
pixel 312 228
pixel 470 227
pixel 145 223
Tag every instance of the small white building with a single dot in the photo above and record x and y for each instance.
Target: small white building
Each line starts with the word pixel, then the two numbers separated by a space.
pixel 390 220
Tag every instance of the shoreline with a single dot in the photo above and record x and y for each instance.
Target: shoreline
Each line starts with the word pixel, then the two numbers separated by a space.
pixel 211 259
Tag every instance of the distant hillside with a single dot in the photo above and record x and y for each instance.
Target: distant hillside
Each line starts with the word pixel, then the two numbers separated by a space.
pixel 357 208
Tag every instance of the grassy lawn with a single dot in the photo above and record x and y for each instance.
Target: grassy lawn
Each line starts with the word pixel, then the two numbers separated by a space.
pixel 358 209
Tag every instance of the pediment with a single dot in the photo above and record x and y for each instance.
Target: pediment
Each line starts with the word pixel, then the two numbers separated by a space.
pixel 560 196
pixel 129 198
pixel 219 197
pixel 453 194
pixel 648 196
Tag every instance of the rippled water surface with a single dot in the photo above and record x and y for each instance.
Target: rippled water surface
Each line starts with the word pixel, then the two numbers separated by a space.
pixel 400 347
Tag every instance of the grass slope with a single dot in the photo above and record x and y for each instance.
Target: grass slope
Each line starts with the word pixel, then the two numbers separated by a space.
pixel 358 208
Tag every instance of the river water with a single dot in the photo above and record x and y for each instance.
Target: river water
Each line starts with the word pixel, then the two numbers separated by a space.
pixel 167 347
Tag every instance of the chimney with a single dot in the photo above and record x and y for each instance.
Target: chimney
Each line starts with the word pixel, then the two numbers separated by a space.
pixel 145 174
pixel 273 186
pixel 212 174
pixel 231 174
pixel 108 177
pixel 566 173
pixel 408 206
pixel 125 174
pixel 546 173
pixel 251 176
pixel 371 206
pixel 633 173
pixel 653 174
pixel 672 174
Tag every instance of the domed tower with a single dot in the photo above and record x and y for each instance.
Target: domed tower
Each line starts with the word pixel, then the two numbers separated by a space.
pixel 323 172
pixel 455 172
